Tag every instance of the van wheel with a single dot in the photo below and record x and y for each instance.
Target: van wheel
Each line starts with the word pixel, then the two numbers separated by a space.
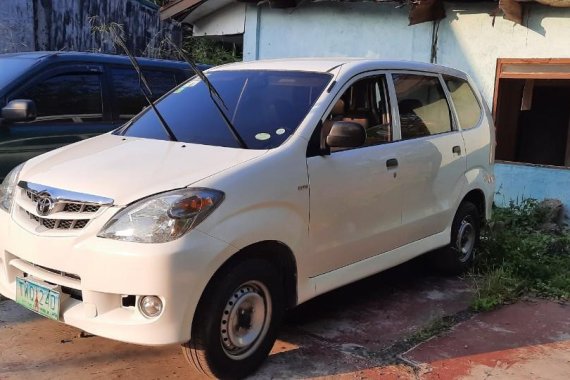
pixel 465 232
pixel 235 325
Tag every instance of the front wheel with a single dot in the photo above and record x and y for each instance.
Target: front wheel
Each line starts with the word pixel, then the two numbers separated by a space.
pixel 465 232
pixel 236 322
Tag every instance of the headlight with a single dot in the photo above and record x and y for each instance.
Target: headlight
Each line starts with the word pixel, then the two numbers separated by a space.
pixel 8 187
pixel 163 217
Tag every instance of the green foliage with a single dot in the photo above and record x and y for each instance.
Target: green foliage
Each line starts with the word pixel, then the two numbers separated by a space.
pixel 205 50
pixel 518 256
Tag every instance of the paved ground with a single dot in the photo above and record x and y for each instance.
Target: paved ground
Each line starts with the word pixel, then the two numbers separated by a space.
pixel 358 332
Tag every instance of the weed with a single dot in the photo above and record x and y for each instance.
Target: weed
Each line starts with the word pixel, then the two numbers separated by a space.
pixel 436 327
pixel 517 256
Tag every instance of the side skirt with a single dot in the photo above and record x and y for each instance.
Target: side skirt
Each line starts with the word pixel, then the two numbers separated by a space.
pixel 372 265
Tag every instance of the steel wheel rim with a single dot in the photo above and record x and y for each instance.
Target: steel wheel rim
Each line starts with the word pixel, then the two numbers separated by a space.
pixel 466 236
pixel 245 320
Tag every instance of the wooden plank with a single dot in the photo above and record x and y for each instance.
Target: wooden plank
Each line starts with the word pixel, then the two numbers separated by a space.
pixel 567 160
pixel 512 9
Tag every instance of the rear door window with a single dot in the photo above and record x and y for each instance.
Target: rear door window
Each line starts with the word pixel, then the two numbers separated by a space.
pixel 422 106
pixel 129 99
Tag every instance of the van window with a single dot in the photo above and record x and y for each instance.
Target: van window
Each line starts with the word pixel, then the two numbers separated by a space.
pixel 365 102
pixel 12 68
pixel 67 98
pixel 129 99
pixel 265 107
pixel 465 101
pixel 422 106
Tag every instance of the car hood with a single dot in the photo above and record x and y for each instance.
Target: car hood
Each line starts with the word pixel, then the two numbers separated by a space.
pixel 128 169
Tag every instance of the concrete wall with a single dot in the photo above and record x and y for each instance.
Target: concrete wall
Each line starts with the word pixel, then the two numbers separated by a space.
pixel 228 20
pixel 16 26
pixel 65 25
pixel 467 38
pixel 517 182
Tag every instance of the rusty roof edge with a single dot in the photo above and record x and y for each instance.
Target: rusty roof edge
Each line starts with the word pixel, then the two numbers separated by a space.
pixel 192 10
pixel 177 8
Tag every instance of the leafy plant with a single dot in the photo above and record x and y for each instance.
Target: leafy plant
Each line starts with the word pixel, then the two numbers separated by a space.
pixel 518 256
pixel 205 50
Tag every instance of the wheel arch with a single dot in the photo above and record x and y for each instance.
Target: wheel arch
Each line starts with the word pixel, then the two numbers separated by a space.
pixel 477 197
pixel 277 253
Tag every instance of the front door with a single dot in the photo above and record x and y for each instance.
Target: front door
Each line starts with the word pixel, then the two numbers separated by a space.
pixel 69 104
pixel 355 207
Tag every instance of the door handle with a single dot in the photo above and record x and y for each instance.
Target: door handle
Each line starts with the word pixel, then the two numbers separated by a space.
pixel 457 150
pixel 392 163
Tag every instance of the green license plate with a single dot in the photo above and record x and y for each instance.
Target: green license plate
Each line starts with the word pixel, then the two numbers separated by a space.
pixel 38 297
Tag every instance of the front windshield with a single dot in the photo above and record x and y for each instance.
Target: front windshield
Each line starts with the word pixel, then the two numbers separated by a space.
pixel 11 68
pixel 265 107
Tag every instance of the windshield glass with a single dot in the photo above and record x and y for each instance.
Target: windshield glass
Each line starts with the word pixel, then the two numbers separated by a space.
pixel 11 68
pixel 265 107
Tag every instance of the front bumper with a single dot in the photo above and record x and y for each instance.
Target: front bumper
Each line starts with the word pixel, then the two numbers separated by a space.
pixel 101 271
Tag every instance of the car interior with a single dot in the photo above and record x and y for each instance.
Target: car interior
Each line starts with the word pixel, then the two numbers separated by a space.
pixel 364 103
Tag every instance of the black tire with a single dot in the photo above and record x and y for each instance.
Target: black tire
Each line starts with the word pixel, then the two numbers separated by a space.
pixel 458 256
pixel 239 293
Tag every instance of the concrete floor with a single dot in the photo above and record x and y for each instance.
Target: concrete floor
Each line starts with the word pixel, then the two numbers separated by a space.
pixel 357 332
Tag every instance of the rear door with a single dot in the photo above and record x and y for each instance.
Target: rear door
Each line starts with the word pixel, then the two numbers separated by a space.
pixel 128 98
pixel 431 155
pixel 69 102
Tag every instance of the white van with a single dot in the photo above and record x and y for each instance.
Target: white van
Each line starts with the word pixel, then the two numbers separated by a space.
pixel 317 173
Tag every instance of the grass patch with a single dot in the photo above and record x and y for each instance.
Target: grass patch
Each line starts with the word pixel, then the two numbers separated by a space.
pixel 520 254
pixel 436 327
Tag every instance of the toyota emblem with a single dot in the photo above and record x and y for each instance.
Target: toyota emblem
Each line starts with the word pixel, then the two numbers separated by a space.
pixel 45 204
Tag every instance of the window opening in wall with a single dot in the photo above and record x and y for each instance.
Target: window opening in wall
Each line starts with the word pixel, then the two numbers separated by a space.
pixel 532 112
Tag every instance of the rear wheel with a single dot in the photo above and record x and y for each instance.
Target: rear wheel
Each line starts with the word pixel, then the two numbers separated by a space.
pixel 465 231
pixel 236 322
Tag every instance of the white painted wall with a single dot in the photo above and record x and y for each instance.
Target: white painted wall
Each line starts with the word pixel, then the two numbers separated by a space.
pixel 469 42
pixel 227 20
pixel 467 39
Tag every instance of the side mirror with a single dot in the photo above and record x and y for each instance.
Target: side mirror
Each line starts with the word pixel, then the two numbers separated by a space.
pixel 19 110
pixel 345 134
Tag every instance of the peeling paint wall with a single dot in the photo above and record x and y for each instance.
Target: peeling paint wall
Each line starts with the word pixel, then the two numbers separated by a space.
pixel 65 25
pixel 467 39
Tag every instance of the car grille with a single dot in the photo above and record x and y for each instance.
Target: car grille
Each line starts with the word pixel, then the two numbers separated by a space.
pixel 59 224
pixel 64 210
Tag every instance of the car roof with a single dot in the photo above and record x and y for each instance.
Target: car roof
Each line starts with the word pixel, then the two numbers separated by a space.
pixel 329 64
pixel 66 56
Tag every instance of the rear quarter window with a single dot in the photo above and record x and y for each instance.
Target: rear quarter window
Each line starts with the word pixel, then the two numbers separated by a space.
pixel 466 103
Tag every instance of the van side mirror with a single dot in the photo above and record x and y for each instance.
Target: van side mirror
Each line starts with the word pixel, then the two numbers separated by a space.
pixel 19 110
pixel 345 134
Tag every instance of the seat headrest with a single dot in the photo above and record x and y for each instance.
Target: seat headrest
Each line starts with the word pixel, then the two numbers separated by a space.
pixel 338 108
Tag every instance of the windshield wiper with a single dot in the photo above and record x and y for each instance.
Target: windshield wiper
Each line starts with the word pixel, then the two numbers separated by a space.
pixel 145 88
pixel 214 94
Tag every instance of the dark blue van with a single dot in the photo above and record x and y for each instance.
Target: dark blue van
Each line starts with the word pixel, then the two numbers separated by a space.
pixel 50 99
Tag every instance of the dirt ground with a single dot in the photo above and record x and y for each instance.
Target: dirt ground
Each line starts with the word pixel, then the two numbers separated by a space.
pixel 362 331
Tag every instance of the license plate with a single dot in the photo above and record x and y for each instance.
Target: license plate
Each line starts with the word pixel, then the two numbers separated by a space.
pixel 38 297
